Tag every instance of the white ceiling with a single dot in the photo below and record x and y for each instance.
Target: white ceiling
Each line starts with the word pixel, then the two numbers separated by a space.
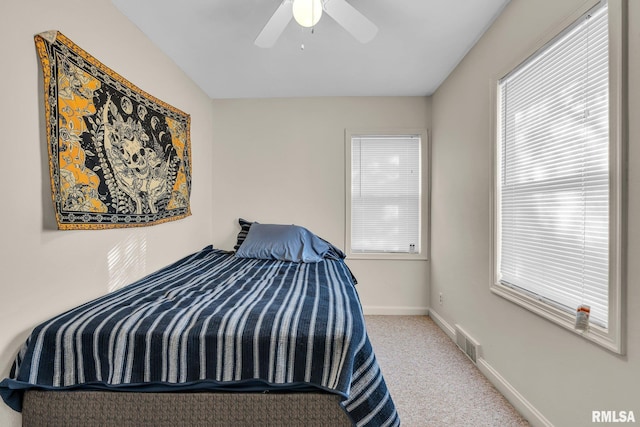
pixel 419 42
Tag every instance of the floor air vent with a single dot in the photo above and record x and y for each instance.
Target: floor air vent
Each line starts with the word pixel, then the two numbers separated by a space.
pixel 469 346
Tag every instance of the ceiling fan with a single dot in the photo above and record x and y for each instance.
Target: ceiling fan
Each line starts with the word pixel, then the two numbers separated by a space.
pixel 308 12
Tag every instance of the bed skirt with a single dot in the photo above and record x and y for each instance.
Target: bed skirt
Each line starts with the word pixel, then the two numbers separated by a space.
pixel 118 409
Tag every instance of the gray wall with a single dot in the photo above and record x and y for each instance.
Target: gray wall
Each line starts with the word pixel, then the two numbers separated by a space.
pixel 561 376
pixel 45 271
pixel 282 161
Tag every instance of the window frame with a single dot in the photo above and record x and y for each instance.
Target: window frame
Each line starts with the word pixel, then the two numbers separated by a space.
pixel 613 338
pixel 423 254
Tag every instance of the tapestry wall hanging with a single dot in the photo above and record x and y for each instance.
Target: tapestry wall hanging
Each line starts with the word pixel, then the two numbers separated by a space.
pixel 118 157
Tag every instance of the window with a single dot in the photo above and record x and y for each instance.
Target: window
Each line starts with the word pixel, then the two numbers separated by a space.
pixel 385 195
pixel 558 184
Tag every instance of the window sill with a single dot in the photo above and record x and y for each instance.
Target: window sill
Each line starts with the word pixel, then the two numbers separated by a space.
pixel 388 256
pixel 596 334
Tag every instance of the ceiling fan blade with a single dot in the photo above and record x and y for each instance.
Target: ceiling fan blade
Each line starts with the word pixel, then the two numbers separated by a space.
pixel 353 21
pixel 276 25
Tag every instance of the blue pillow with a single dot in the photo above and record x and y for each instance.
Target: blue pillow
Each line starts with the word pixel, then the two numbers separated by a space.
pixel 284 243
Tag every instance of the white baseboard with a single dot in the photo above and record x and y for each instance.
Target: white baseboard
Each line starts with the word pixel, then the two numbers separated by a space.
pixel 447 328
pixel 518 401
pixel 394 311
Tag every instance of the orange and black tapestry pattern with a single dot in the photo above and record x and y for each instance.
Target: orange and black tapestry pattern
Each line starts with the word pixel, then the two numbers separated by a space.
pixel 118 157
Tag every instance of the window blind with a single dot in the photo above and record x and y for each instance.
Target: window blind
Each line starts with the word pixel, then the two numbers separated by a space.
pixel 554 171
pixel 385 194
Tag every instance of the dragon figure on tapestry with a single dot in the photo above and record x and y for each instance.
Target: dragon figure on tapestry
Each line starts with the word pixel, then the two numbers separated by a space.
pixel 118 157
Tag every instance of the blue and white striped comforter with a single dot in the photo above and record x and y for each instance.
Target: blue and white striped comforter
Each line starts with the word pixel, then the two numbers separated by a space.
pixel 212 321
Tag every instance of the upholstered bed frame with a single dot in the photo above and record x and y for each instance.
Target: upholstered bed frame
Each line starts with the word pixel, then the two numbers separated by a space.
pixel 118 409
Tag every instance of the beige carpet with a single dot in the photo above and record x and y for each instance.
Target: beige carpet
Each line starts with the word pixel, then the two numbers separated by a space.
pixel 431 381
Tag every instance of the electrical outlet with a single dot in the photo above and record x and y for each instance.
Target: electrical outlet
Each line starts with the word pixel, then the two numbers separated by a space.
pixel 440 298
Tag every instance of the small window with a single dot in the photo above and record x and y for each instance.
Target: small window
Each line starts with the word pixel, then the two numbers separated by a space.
pixel 558 187
pixel 385 195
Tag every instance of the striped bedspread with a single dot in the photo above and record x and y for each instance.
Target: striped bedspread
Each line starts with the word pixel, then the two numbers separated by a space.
pixel 212 321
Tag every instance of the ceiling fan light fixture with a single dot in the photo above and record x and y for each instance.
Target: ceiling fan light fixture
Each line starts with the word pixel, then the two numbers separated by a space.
pixel 307 12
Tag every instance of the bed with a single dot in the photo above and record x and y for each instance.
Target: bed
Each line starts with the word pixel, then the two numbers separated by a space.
pixel 222 336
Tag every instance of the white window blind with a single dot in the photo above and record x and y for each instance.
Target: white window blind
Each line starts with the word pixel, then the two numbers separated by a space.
pixel 554 171
pixel 385 194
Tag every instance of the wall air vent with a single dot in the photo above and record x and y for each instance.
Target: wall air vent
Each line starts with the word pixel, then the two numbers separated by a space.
pixel 468 345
